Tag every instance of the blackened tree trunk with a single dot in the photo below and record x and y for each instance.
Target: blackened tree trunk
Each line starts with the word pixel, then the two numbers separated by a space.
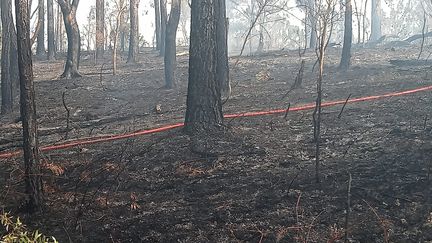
pixel 204 105
pixel 157 24
pixel 40 47
pixel 163 17
pixel 375 20
pixel 51 33
pixel 6 79
pixel 14 72
pixel 100 28
pixel 73 37
pixel 222 69
pixel 170 44
pixel 134 32
pixel 32 178
pixel 346 50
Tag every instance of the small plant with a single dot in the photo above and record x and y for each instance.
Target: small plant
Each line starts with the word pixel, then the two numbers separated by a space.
pixel 16 232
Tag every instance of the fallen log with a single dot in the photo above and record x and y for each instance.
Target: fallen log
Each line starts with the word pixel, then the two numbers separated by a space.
pixel 418 36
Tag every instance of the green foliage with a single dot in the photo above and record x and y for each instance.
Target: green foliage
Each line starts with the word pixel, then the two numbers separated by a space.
pixel 16 232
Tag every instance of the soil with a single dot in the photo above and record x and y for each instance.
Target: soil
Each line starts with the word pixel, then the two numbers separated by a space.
pixel 253 181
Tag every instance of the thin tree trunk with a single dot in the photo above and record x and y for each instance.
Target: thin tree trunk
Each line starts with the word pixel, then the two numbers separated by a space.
pixel 57 28
pixel 51 33
pixel 157 24
pixel 306 29
pixel 32 178
pixel 318 108
pixel 203 105
pixel 346 50
pixel 163 11
pixel 122 28
pixel 134 32
pixel 170 44
pixel 40 48
pixel 73 37
pixel 100 28
pixel 364 22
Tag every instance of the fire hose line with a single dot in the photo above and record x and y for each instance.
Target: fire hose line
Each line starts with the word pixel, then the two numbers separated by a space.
pixel 101 139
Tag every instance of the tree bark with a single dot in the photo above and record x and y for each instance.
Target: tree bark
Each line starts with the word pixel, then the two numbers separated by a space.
pixel 163 17
pixel 346 50
pixel 122 28
pixel 313 23
pixel 203 105
pixel 51 33
pixel 358 13
pixel 32 178
pixel 170 44
pixel 134 32
pixel 375 20
pixel 117 30
pixel 100 28
pixel 73 37
pixel 364 22
pixel 157 24
pixel 6 81
pixel 222 69
pixel 59 30
pixel 40 47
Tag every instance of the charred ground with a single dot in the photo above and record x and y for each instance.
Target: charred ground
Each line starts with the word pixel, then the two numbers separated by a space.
pixel 251 183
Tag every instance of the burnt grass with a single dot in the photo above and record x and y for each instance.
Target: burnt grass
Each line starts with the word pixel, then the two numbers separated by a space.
pixel 251 182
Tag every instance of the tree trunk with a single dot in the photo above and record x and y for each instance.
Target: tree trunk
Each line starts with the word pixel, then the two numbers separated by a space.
pixel 313 23
pixel 163 17
pixel 157 24
pixel 6 81
pixel 375 20
pixel 260 47
pixel 203 105
pixel 364 22
pixel 59 30
pixel 134 32
pixel 14 72
pixel 73 37
pixel 100 28
pixel 32 178
pixel 114 55
pixel 40 47
pixel 51 33
pixel 117 30
pixel 170 44
pixel 357 13
pixel 122 28
pixel 346 50
pixel 222 69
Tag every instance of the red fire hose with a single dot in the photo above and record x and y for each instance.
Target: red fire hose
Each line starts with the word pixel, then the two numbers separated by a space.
pixel 100 139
